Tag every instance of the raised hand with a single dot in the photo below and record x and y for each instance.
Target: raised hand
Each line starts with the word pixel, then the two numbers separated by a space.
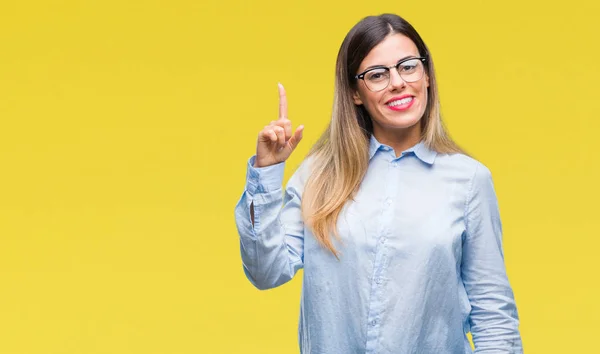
pixel 276 141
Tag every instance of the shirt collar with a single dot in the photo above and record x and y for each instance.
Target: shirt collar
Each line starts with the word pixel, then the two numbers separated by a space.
pixel 420 150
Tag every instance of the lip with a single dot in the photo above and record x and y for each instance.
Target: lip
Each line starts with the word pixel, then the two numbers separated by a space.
pixel 398 98
pixel 401 107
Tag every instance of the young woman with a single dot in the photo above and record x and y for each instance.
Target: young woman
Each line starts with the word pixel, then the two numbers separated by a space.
pixel 397 229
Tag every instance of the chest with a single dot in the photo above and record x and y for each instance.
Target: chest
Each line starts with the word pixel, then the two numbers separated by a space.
pixel 405 213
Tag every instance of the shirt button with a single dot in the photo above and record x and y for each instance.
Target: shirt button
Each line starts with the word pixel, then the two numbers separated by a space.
pixel 373 323
pixel 382 240
pixel 388 202
pixel 378 281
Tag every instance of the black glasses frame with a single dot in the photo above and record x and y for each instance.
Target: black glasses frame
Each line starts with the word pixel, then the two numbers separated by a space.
pixel 361 76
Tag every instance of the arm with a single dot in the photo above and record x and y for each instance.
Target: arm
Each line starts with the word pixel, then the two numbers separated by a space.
pixel 494 320
pixel 271 236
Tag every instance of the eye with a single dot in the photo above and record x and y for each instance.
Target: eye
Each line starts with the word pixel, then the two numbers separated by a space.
pixel 377 75
pixel 409 65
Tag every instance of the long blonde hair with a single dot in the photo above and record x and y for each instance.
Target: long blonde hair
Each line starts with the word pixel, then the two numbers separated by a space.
pixel 340 157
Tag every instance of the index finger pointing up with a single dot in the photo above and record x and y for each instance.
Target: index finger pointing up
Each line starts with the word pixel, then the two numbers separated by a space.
pixel 282 102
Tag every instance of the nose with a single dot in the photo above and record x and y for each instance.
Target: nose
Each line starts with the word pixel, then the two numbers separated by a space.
pixel 396 81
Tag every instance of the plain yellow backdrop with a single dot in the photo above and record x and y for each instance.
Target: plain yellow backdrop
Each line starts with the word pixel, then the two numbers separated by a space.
pixel 125 127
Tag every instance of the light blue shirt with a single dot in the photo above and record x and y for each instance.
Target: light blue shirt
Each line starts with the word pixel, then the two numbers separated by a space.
pixel 421 260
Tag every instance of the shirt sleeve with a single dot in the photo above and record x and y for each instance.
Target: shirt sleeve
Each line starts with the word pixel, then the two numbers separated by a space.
pixel 493 319
pixel 272 248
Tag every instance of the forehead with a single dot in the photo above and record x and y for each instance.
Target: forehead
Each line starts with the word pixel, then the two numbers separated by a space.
pixel 389 51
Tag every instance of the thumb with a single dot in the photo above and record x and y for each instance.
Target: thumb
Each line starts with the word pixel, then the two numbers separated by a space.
pixel 295 139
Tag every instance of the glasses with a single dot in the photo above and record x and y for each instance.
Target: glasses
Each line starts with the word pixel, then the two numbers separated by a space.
pixel 378 78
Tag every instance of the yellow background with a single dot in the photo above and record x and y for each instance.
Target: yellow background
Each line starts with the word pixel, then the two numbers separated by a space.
pixel 125 127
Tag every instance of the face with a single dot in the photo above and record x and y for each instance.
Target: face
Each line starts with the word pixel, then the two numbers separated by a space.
pixel 400 105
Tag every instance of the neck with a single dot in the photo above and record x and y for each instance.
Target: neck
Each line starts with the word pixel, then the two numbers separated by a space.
pixel 398 139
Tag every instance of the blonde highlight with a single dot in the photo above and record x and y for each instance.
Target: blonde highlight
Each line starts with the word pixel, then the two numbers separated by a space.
pixel 340 158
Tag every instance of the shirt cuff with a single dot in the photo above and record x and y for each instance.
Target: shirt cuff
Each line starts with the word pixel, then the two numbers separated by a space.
pixel 263 179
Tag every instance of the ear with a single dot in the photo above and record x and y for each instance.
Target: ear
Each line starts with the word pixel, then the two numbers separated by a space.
pixel 427 80
pixel 356 98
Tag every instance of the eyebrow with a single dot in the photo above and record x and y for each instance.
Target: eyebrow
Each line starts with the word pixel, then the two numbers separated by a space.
pixel 380 66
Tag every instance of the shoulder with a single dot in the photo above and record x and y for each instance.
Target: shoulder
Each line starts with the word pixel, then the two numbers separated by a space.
pixel 301 172
pixel 464 164
pixel 305 167
pixel 472 174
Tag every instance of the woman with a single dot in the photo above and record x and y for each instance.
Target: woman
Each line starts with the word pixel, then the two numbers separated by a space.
pixel 397 229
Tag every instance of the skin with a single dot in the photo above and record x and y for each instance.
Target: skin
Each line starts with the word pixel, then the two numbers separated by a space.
pixel 276 142
pixel 400 130
pixel 397 129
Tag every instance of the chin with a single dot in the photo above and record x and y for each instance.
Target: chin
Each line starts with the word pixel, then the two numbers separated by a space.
pixel 402 122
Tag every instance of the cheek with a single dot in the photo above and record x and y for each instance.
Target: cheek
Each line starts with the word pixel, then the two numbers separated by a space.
pixel 425 101
pixel 423 93
pixel 372 105
pixel 423 88
pixel 374 98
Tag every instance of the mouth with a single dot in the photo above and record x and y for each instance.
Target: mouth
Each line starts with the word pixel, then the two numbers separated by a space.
pixel 400 103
